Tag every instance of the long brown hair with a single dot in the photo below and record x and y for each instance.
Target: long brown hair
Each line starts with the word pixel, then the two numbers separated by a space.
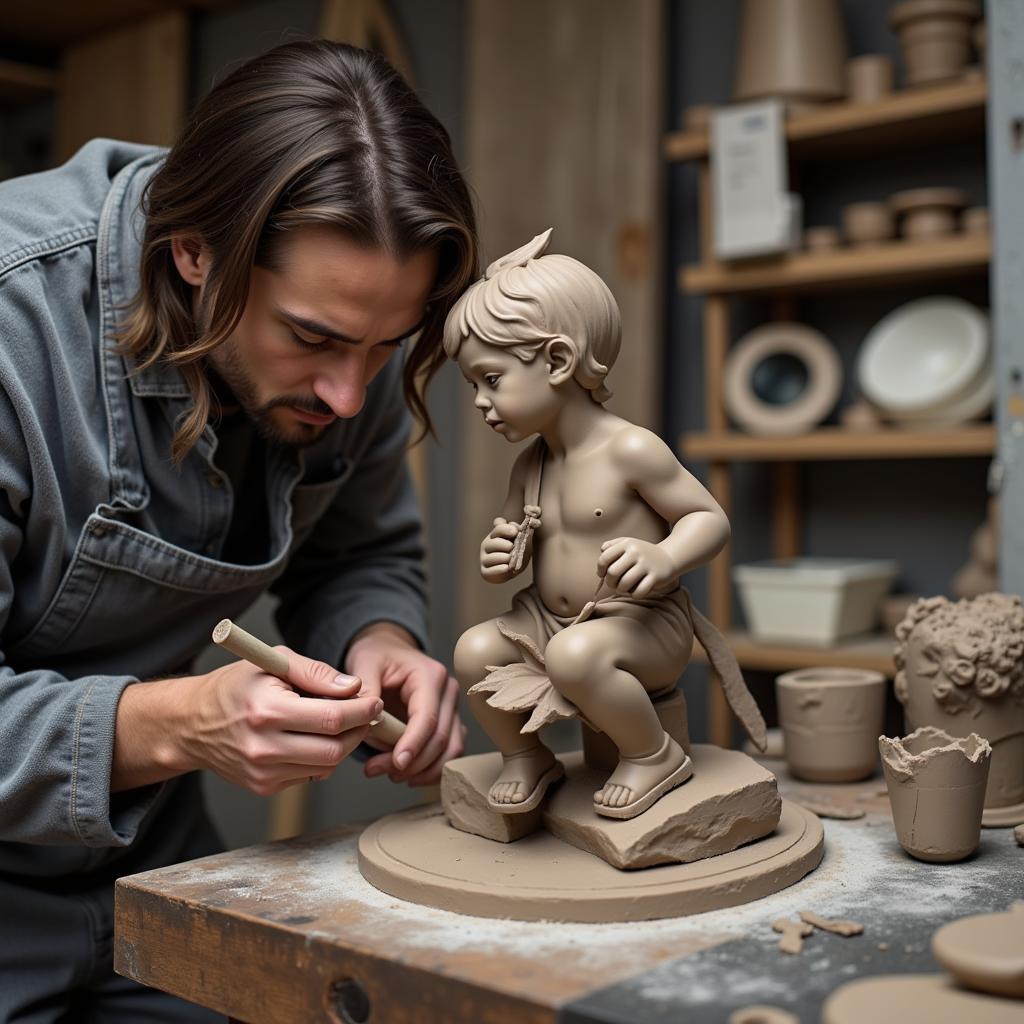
pixel 309 132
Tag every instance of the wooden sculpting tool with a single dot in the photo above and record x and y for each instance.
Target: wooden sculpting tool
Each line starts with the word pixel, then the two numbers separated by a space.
pixel 385 728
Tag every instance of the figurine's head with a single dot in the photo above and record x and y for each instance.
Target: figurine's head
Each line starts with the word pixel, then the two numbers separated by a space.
pixel 529 305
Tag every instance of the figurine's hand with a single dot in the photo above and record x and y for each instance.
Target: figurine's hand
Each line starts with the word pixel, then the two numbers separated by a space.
pixel 634 567
pixel 496 551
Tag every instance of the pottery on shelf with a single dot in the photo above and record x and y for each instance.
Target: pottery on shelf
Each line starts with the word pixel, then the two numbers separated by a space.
pixel 869 78
pixel 782 379
pixel 935 36
pixel 929 362
pixel 980 573
pixel 822 239
pixel 698 117
pixel 831 719
pixel 960 667
pixel 791 49
pixel 927 213
pixel 936 786
pixel 868 223
pixel 975 220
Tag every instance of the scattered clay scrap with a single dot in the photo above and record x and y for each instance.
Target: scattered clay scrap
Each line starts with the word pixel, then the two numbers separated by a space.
pixel 844 928
pixel 793 934
pixel 826 809
pixel 762 1015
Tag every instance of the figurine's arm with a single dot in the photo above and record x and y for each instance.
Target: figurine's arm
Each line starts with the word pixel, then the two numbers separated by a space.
pixel 496 549
pixel 699 528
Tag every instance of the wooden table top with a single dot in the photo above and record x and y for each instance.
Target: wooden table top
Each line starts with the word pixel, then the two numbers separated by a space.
pixel 290 932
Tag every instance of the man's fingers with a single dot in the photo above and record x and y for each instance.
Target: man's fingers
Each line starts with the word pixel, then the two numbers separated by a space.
pixel 329 717
pixel 317 677
pixel 437 743
pixel 320 752
pixel 432 773
pixel 425 688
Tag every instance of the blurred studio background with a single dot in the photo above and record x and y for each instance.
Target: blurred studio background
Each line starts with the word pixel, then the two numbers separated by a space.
pixel 780 266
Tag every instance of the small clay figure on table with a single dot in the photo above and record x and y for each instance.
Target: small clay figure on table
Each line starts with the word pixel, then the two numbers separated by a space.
pixel 609 519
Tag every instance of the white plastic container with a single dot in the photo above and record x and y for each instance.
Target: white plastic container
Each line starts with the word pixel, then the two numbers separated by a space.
pixel 814 601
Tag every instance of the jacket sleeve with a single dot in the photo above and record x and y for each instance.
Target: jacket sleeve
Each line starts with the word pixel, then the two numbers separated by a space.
pixel 364 561
pixel 56 733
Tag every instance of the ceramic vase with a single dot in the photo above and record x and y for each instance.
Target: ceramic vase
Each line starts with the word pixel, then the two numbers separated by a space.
pixel 960 668
pixel 936 788
pixel 831 719
pixel 792 49
pixel 935 36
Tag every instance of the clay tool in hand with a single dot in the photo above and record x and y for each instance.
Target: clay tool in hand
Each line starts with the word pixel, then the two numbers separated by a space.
pixel 385 728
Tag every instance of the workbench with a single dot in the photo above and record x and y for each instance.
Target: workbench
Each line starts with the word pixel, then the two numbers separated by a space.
pixel 290 932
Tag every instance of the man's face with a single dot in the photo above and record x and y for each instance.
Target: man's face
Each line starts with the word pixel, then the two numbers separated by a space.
pixel 316 331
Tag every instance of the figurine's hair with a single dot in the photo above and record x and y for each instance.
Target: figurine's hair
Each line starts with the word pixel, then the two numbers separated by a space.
pixel 526 299
pixel 978 648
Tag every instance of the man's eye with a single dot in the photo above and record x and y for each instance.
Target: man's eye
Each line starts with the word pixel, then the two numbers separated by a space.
pixel 304 343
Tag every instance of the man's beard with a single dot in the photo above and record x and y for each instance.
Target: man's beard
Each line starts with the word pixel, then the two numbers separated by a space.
pixel 230 367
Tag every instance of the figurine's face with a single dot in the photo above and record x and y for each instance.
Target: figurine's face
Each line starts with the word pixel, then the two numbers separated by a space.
pixel 516 399
pixel 317 329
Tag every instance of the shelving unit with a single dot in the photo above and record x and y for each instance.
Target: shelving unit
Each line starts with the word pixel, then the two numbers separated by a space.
pixel 949 112
pixel 20 82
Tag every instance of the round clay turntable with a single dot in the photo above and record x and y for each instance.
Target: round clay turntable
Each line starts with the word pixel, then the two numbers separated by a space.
pixel 417 856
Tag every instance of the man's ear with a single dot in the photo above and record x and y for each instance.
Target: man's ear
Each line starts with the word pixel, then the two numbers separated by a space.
pixel 562 358
pixel 191 257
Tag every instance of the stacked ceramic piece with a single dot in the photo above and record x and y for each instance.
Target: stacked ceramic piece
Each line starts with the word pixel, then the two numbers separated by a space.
pixel 929 362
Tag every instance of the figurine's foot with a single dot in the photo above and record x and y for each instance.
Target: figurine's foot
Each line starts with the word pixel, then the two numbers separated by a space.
pixel 638 781
pixel 523 780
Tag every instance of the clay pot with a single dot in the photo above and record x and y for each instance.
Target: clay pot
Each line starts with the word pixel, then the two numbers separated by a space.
pixel 960 668
pixel 792 49
pixel 975 220
pixel 869 78
pixel 935 36
pixel 868 223
pixel 831 719
pixel 937 791
pixel 821 239
pixel 928 212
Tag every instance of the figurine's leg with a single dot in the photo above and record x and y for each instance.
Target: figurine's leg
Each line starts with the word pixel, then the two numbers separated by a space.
pixel 608 667
pixel 528 767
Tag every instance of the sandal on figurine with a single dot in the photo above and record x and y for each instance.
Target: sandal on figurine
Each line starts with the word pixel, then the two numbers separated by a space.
pixel 554 773
pixel 652 776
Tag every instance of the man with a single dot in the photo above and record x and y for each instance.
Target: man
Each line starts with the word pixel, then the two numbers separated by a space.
pixel 201 399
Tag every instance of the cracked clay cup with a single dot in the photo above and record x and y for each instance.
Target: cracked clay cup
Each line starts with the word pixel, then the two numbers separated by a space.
pixel 831 719
pixel 937 791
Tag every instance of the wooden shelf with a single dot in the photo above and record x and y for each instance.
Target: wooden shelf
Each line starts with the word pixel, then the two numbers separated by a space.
pixel 20 82
pixel 908 118
pixel 841 443
pixel 891 263
pixel 873 651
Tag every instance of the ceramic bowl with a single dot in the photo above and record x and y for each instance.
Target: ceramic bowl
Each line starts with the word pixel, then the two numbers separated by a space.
pixel 924 355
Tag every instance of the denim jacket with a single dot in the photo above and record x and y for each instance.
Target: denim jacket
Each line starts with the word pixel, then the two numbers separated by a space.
pixel 109 555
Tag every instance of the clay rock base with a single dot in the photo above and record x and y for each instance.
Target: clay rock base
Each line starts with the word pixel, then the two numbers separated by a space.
pixel 415 855
pixel 729 801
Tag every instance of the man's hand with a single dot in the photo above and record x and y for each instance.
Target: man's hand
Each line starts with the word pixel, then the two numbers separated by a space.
pixel 635 567
pixel 251 728
pixel 416 689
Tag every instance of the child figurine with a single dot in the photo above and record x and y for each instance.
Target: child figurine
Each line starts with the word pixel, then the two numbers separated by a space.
pixel 610 520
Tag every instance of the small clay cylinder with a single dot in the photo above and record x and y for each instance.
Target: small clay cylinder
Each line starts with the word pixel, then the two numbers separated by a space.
pixel 928 212
pixel 975 220
pixel 935 36
pixel 821 239
pixel 831 719
pixel 869 78
pixel 868 223
pixel 937 791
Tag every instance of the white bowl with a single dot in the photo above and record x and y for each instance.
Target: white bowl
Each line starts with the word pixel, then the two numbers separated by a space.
pixel 923 355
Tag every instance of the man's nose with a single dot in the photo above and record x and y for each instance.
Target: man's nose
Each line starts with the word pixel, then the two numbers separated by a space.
pixel 343 389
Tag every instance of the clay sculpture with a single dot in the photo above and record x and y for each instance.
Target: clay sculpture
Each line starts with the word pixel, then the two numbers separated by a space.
pixel 937 792
pixel 960 667
pixel 609 520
